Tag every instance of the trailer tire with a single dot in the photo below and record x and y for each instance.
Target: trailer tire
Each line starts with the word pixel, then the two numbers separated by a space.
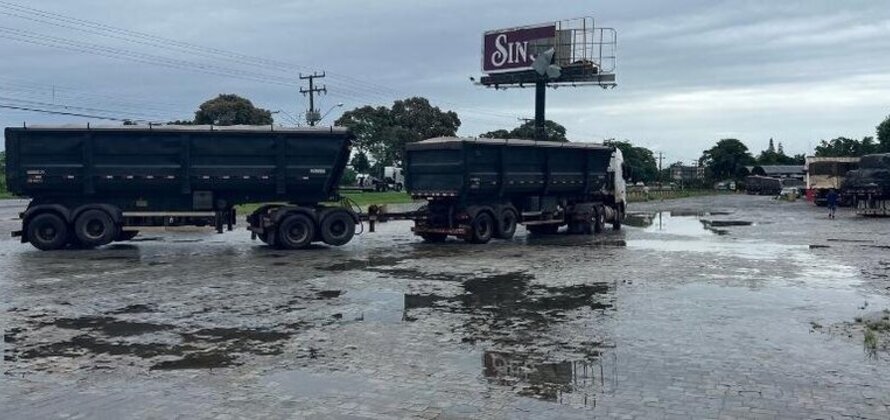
pixel 434 238
pixel 337 228
pixel 296 231
pixel 268 238
pixel 506 226
pixel 599 220
pixel 619 216
pixel 94 228
pixel 482 228
pixel 47 232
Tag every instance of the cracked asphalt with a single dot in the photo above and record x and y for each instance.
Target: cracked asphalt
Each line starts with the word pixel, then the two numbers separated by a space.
pixel 710 307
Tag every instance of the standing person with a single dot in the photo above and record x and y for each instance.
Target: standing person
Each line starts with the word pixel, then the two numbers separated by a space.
pixel 831 198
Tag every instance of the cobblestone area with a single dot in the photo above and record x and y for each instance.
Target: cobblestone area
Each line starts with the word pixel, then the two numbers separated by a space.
pixel 684 314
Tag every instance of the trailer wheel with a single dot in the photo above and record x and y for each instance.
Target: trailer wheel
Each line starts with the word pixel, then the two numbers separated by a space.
pixel 47 232
pixel 506 227
pixel 434 238
pixel 95 228
pixel 295 231
pixel 619 215
pixel 482 228
pixel 337 228
pixel 599 220
pixel 268 238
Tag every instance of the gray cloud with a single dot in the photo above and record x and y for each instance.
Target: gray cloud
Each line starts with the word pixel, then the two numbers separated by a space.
pixel 689 72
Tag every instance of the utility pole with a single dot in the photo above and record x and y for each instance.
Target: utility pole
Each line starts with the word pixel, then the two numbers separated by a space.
pixel 313 115
pixel 540 99
pixel 660 157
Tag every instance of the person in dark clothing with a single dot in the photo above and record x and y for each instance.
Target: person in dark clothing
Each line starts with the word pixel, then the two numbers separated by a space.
pixel 831 200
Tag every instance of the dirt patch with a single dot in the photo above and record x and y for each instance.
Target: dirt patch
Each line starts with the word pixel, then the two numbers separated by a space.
pixel 109 326
pixel 133 309
pixel 202 360
pixel 82 345
pixel 329 294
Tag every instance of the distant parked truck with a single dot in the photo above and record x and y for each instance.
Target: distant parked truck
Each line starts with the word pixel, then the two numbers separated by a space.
pixel 868 188
pixel 393 179
pixel 479 189
pixel 763 185
pixel 92 186
pixel 825 174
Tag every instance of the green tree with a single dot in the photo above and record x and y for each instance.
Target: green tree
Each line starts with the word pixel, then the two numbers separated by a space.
pixel 383 132
pixel 640 160
pixel 774 156
pixel 552 130
pixel 349 177
pixel 726 160
pixel 231 110
pixel 884 136
pixel 498 134
pixel 844 146
pixel 360 162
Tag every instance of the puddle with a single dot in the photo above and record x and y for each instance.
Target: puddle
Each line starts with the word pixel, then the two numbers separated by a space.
pixel 384 306
pixel 575 382
pixel 665 231
pixel 507 309
pixel 356 264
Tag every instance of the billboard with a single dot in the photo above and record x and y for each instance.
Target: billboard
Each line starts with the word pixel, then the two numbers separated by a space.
pixel 515 48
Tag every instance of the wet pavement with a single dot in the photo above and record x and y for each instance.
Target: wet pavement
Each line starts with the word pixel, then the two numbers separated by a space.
pixel 709 307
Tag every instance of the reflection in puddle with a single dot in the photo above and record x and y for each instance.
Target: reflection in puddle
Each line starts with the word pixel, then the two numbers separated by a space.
pixel 562 382
pixel 516 320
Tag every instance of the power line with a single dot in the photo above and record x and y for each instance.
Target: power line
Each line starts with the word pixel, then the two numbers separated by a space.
pixel 73 114
pixel 76 107
pixel 353 86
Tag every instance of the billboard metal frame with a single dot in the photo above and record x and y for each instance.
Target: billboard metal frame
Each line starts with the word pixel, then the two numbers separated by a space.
pixel 587 55
pixel 582 55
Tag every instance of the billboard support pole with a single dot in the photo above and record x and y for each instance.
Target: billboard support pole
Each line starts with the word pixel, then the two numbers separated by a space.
pixel 540 97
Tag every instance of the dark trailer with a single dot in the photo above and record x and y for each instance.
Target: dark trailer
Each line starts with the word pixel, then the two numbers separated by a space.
pixel 92 186
pixel 480 189
pixel 868 188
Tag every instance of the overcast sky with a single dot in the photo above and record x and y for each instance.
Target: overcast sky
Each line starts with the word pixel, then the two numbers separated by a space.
pixel 689 72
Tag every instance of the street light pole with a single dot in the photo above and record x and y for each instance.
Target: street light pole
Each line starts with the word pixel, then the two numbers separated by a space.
pixel 329 111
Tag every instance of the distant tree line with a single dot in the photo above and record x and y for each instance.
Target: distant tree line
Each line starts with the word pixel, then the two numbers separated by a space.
pixel 552 132
pixel 382 132
pixel 728 158
pixel 227 109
